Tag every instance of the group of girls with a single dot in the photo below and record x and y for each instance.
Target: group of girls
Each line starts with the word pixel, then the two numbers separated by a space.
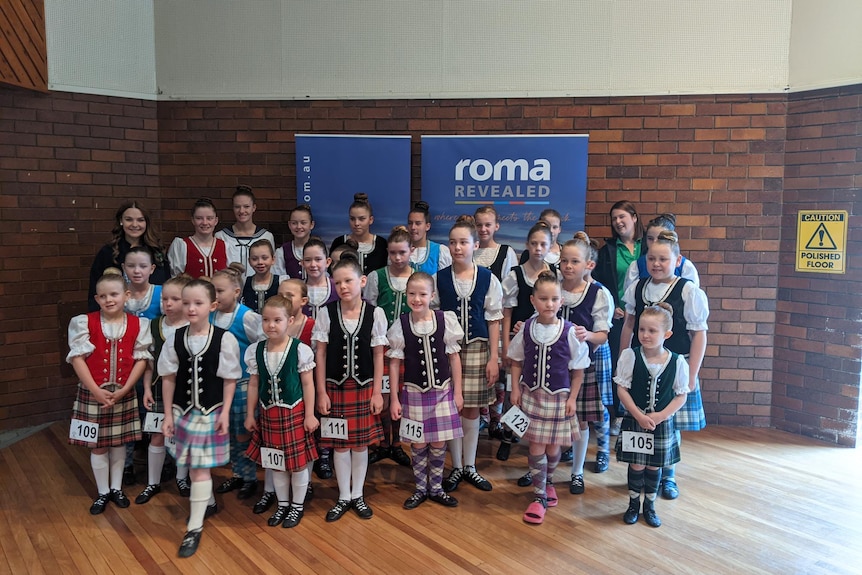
pixel 290 354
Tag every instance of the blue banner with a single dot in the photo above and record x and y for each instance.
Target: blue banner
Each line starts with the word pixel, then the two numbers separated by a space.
pixel 519 175
pixel 331 168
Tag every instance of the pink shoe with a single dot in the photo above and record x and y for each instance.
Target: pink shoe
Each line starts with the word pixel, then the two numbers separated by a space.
pixel 535 512
pixel 551 492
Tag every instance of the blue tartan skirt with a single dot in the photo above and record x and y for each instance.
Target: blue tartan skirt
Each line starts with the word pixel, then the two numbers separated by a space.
pixel 197 445
pixel 691 417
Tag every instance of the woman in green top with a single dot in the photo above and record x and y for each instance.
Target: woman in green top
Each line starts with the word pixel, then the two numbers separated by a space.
pixel 615 257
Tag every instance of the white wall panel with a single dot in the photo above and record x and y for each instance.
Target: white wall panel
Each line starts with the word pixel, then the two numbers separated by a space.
pixel 825 44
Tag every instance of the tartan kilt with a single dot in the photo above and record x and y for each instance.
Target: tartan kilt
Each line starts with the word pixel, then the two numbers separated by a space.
pixel 435 409
pixel 353 402
pixel 588 405
pixel 196 443
pixel 690 416
pixel 605 373
pixel 474 384
pixel 238 408
pixel 118 425
pixel 547 412
pixel 284 428
pixel 665 444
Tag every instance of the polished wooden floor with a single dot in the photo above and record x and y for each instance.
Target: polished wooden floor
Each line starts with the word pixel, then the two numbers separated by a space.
pixel 753 501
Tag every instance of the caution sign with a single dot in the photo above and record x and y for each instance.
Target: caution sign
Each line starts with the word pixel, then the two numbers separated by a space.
pixel 821 241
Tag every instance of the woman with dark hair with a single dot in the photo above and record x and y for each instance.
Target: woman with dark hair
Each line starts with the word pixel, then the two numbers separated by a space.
pixel 615 257
pixel 132 227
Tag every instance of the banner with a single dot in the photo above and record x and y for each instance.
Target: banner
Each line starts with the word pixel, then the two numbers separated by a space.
pixel 331 168
pixel 519 175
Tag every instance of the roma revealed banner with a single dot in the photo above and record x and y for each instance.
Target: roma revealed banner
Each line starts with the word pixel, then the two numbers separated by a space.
pixel 331 168
pixel 519 175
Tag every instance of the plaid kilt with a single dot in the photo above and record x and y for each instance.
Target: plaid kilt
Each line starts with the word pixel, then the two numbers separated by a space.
pixel 238 408
pixel 588 405
pixel 353 402
pixel 118 425
pixel 283 428
pixel 605 373
pixel 548 422
pixel 474 359
pixel 435 409
pixel 665 445
pixel 197 444
pixel 690 416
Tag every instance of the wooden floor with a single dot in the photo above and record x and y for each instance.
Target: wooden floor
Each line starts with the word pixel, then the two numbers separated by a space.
pixel 753 501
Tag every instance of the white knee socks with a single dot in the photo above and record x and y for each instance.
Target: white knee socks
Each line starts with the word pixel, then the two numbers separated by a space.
pixel 118 463
pixel 359 468
pixel 579 452
pixel 471 440
pixel 281 485
pixel 155 463
pixel 341 461
pixel 100 463
pixel 201 492
pixel 299 484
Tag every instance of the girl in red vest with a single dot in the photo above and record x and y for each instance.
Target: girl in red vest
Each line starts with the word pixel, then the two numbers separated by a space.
pixel 201 254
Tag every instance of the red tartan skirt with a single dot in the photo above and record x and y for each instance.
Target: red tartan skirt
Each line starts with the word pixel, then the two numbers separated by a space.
pixel 353 403
pixel 118 425
pixel 283 428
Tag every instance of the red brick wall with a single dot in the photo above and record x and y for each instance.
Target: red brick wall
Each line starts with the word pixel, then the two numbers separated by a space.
pixel 817 331
pixel 66 163
pixel 715 161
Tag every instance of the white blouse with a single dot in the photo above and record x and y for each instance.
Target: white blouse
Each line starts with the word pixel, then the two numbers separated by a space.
pixel 626 364
pixel 696 309
pixel 603 307
pixel 273 358
pixel 168 330
pixel 228 360
pixel 237 247
pixel 452 334
pixel 177 255
pixel 493 303
pixel 320 331
pixel 511 287
pixel 252 323
pixel 80 344
pixel 549 334
pixel 485 257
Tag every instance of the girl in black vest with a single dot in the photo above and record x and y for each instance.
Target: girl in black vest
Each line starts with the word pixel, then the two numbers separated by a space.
pixel 263 284
pixel 653 384
pixel 200 417
pixel 371 247
pixel 351 337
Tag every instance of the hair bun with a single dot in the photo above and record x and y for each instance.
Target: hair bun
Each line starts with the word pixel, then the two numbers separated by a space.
pixel 398 228
pixel 582 236
pixel 112 271
pixel 668 236
pixel 421 205
pixel 360 197
pixel 466 219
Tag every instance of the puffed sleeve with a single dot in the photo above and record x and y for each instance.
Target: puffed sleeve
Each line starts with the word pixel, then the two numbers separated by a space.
pixel 144 341
pixel 696 309
pixel 169 363
pixel 279 268
pixel 689 272
pixel 306 357
pixel 625 368
pixel 510 261
pixel 320 332
pixel 372 288
pixel 680 384
pixel 494 300
pixel 454 333
pixel 177 256
pixel 445 257
pixel 516 347
pixel 251 359
pixel 252 322
pixel 79 338
pixel 510 290
pixel 435 297
pixel 267 235
pixel 395 335
pixel 632 275
pixel 229 366
pixel 378 328
pixel 629 298
pixel 603 310
pixel 580 351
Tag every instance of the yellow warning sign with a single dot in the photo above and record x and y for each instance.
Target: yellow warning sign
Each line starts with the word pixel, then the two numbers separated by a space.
pixel 821 241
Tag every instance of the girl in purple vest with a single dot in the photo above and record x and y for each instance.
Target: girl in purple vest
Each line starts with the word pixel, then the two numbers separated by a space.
pixel 387 288
pixel 288 258
pixel 350 336
pixel 245 325
pixel 653 385
pixel 108 349
pixel 426 256
pixel 475 295
pixel 517 288
pixel 547 353
pixel 263 284
pixel 371 247
pixel 321 288
pixel 427 343
pixel 638 268
pixel 199 366
pixel 201 254
pixel 280 369
pixel 690 313
pixel 500 259
pixel 161 328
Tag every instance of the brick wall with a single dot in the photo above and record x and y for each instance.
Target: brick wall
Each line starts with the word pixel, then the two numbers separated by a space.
pixel 66 163
pixel 817 331
pixel 716 161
